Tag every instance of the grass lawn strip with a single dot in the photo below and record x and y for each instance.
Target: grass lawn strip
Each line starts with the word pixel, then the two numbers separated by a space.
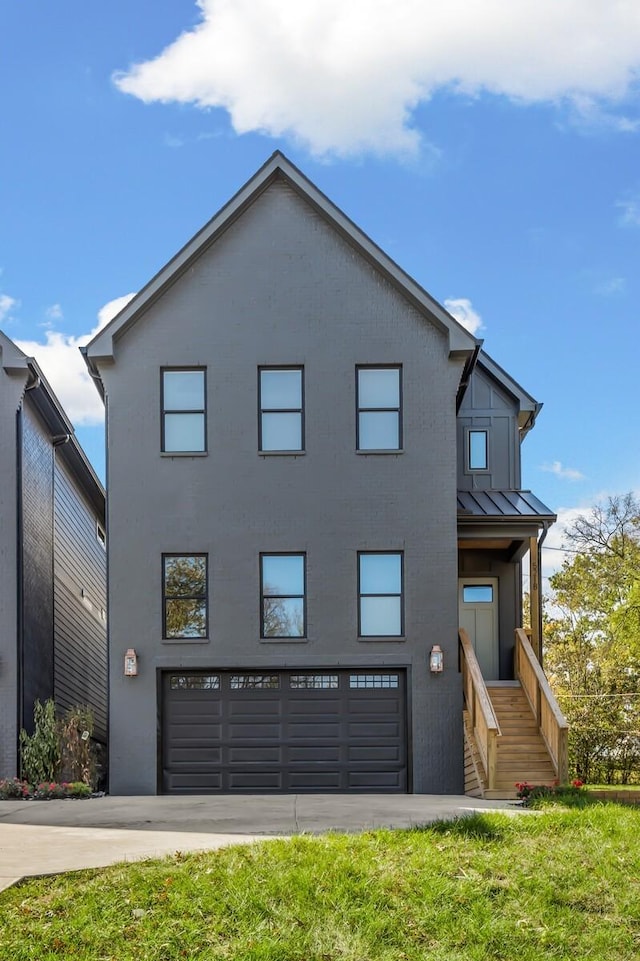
pixel 563 884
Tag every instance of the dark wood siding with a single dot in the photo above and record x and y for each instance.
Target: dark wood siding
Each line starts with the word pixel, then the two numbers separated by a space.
pixel 37 564
pixel 79 601
pixel 284 731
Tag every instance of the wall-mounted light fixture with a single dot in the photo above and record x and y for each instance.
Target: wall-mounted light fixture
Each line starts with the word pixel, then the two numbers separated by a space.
pixel 130 663
pixel 436 659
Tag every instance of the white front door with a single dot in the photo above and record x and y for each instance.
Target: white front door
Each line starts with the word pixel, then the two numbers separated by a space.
pixel 478 613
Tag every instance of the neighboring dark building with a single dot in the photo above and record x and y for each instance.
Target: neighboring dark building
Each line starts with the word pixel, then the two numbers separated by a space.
pixel 52 559
pixel 285 550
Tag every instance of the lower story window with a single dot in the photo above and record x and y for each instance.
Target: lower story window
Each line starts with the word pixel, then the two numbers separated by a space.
pixel 380 594
pixel 283 595
pixel 184 593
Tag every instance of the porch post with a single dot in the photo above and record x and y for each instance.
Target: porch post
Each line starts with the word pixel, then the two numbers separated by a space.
pixel 535 597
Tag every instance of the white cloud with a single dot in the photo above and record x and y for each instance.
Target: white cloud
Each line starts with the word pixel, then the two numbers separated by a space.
pixel 608 288
pixel 553 552
pixel 63 366
pixel 630 216
pixel 6 306
pixel 566 473
pixel 110 310
pixel 54 312
pixel 462 309
pixel 346 77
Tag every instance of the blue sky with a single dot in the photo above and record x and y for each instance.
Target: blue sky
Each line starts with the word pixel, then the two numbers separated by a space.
pixel 498 162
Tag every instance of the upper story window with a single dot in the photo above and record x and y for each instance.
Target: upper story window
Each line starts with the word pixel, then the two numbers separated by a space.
pixel 379 402
pixel 101 535
pixel 282 578
pixel 380 608
pixel 477 450
pixel 184 410
pixel 281 424
pixel 184 595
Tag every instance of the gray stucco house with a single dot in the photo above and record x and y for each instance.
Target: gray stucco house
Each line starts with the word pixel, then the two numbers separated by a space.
pixel 313 482
pixel 52 559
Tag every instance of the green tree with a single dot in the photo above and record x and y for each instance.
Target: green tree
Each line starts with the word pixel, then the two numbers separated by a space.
pixel 592 641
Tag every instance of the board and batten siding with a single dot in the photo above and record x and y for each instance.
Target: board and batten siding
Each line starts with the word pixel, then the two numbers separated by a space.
pixel 79 587
pixel 37 560
pixel 486 406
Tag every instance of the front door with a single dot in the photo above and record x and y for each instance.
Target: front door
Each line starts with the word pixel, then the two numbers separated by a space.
pixel 478 613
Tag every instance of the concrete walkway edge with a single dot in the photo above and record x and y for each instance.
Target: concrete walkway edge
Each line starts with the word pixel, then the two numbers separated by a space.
pixel 50 837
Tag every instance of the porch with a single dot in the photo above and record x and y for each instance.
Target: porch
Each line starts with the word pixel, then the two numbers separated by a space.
pixel 513 728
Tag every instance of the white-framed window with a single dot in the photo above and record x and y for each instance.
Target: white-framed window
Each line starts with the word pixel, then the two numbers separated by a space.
pixel 281 409
pixel 184 410
pixel 380 594
pixel 379 408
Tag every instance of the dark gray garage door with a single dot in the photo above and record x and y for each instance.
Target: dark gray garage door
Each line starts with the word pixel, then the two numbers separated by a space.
pixel 283 731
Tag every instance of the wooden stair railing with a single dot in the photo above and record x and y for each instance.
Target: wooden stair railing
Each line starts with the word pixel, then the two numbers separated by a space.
pixel 484 723
pixel 549 718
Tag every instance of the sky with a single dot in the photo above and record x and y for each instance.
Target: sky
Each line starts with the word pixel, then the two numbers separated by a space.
pixel 491 148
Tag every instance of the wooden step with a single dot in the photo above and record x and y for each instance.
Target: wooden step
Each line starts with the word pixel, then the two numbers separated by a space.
pixel 521 752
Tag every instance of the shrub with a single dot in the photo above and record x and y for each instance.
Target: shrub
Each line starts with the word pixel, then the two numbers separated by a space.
pixel 53 790
pixel 13 787
pixel 40 751
pixel 565 793
pixel 78 789
pixel 77 749
pixel 59 750
pixel 49 791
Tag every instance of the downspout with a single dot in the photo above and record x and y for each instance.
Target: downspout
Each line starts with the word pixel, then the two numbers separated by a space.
pixel 20 593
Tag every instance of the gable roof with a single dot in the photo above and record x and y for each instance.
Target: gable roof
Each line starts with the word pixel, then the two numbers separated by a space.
pixel 528 407
pixel 278 167
pixel 13 360
pixel 41 394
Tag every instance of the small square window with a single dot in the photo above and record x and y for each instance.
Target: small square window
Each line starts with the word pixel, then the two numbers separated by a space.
pixel 379 408
pixel 380 606
pixel 281 422
pixel 101 535
pixel 282 578
pixel 477 450
pixel 184 595
pixel 183 410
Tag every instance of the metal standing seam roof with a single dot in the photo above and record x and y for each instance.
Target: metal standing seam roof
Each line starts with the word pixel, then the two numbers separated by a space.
pixel 506 504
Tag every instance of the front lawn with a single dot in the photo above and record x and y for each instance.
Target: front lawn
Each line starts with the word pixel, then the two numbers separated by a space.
pixel 554 884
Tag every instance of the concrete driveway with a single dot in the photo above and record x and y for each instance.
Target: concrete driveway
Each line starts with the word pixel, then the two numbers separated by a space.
pixel 49 837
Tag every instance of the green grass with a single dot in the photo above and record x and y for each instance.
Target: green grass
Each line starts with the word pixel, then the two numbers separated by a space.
pixel 555 883
pixel 612 787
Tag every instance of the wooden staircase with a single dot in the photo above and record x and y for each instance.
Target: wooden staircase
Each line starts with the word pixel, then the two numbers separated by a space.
pixel 513 730
pixel 522 754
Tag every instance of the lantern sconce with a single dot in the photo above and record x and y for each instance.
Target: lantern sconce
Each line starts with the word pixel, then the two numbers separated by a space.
pixel 131 663
pixel 436 660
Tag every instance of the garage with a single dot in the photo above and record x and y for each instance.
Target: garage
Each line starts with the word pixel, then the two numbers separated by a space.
pixel 284 731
